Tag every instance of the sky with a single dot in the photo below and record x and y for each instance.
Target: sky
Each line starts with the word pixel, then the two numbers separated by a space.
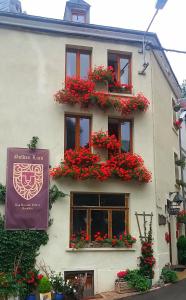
pixel 169 24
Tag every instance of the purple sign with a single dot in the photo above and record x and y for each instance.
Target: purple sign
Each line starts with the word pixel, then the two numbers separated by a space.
pixel 27 189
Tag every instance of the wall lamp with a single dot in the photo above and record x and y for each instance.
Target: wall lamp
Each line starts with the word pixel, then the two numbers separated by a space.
pixel 173 207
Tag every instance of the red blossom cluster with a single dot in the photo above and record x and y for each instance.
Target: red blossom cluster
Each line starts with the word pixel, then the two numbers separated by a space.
pixel 119 87
pixel 82 164
pixel 147 260
pixel 177 124
pixel 79 240
pixel 79 91
pixel 30 279
pixel 101 73
pixel 122 274
pixel 128 166
pixel 102 139
pixel 181 217
pixel 167 237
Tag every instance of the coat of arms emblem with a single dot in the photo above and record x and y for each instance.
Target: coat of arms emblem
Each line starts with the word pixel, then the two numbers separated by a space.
pixel 27 179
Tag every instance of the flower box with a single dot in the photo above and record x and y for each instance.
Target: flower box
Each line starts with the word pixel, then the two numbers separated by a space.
pixel 121 287
pixel 101 86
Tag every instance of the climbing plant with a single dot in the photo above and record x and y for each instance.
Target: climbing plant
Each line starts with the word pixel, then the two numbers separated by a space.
pixel 21 247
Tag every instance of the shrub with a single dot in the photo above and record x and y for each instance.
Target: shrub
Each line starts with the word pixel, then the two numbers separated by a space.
pixel 169 275
pixel 137 281
pixel 57 282
pixel 181 245
pixel 44 285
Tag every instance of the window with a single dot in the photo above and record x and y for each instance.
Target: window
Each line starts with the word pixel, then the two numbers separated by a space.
pixel 77 63
pixel 122 129
pixel 174 115
pixel 177 177
pixel 122 67
pixel 77 131
pixel 78 17
pixel 86 277
pixel 105 213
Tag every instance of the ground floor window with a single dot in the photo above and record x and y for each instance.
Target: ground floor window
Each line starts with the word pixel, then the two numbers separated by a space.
pixel 86 280
pixel 105 213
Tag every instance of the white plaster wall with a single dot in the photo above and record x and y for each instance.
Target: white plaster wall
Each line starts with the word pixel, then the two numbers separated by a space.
pixel 31 71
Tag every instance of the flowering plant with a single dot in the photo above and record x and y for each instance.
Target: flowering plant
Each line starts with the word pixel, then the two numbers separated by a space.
pixel 181 217
pixel 147 260
pixel 82 164
pixel 102 139
pixel 29 280
pixel 119 87
pixel 101 73
pixel 167 237
pixel 82 240
pixel 82 92
pixel 79 240
pixel 122 274
pixel 177 124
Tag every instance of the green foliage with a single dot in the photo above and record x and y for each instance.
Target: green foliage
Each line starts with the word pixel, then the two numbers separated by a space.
pixel 54 194
pixel 2 193
pixel 44 285
pixel 33 143
pixel 169 275
pixel 57 282
pixel 137 281
pixel 181 245
pixel 183 89
pixel 8 285
pixel 19 245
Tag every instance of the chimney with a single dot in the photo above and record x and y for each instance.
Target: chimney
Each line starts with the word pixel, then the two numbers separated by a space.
pixel 13 6
pixel 77 11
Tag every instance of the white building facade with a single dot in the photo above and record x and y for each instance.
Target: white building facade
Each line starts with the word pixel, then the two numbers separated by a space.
pixel 36 55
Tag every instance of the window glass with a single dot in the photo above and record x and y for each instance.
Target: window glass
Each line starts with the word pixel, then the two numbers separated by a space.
pixel 84 132
pixel 79 220
pixel 125 137
pixel 84 65
pixel 99 222
pixel 118 222
pixel 112 61
pixel 124 70
pixel 86 199
pixel 78 18
pixel 70 132
pixel 71 64
pixel 112 200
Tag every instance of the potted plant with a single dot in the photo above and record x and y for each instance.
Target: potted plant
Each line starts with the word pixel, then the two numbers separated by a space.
pixel 45 288
pixel 181 217
pixel 58 285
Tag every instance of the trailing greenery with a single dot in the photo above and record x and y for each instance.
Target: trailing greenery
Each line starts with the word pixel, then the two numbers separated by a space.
pixel 169 275
pixel 2 193
pixel 137 281
pixel 21 247
pixel 180 162
pixel 33 143
pixel 181 245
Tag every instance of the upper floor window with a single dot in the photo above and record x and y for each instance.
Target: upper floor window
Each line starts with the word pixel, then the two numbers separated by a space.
pixel 122 129
pixel 77 131
pixel 122 68
pixel 78 17
pixel 78 63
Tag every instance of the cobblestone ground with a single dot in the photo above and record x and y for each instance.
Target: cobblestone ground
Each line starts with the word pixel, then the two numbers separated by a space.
pixel 175 291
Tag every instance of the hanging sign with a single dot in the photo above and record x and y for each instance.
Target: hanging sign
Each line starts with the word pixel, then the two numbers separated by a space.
pixel 27 189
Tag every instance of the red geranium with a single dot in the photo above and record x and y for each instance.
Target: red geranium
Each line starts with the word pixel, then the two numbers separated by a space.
pixel 102 139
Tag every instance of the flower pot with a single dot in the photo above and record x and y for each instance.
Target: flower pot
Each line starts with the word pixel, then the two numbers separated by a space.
pixel 59 296
pixel 31 297
pixel 122 287
pixel 46 296
pixel 101 86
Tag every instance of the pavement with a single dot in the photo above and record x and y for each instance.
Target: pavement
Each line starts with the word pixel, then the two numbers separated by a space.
pixel 175 291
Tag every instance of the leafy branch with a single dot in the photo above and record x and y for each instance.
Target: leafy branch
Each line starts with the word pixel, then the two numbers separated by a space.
pixel 33 143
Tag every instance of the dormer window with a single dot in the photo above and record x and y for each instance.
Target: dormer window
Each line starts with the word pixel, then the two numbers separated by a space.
pixel 78 17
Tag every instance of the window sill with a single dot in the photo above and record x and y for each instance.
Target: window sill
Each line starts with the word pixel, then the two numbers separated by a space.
pixel 100 249
pixel 121 94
